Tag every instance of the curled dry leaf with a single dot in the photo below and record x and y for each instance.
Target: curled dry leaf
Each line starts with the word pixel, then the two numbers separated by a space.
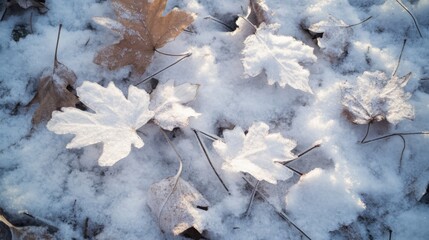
pixel 52 92
pixel 281 58
pixel 335 37
pixel 257 153
pixel 375 97
pixel 143 29
pixel 114 122
pixel 183 212
pixel 25 4
pixel 11 232
pixel 167 102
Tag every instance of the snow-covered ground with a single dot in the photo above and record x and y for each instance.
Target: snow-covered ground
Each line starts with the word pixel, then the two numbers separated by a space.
pixel 348 190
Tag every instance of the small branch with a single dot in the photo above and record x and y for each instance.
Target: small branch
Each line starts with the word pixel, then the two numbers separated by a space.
pixel 176 62
pixel 56 47
pixel 220 22
pixel 395 134
pixel 402 153
pixel 4 14
pixel 203 147
pixel 400 56
pixel 412 16
pixel 352 25
pixel 31 22
pixel 171 55
pixel 302 153
pixel 366 134
pixel 279 211
pixel 252 198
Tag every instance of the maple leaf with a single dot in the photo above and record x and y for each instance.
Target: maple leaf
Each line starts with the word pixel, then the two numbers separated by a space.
pixel 375 97
pixel 335 36
pixel 52 92
pixel 281 58
pixel 167 102
pixel 258 153
pixel 184 208
pixel 143 30
pixel 114 122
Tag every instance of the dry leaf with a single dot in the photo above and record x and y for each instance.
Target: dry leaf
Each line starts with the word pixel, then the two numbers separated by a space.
pixel 375 97
pixel 114 122
pixel 281 57
pixel 52 93
pixel 143 29
pixel 23 233
pixel 167 101
pixel 39 4
pixel 335 37
pixel 257 153
pixel 184 208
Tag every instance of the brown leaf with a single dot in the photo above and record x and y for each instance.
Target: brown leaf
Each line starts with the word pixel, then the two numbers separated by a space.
pixel 181 213
pixel 23 233
pixel 39 4
pixel 145 29
pixel 52 93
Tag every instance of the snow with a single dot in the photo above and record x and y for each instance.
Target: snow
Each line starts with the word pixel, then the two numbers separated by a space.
pixel 348 190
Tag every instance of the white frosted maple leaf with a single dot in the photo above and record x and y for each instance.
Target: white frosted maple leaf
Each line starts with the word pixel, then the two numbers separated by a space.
pixel 280 56
pixel 257 153
pixel 375 97
pixel 167 102
pixel 335 39
pixel 114 121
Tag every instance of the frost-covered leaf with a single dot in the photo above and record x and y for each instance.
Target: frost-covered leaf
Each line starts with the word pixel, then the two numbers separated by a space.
pixel 257 153
pixel 375 97
pixel 144 28
pixel 182 211
pixel 167 102
pixel 52 92
pixel 335 37
pixel 280 56
pixel 114 121
pixel 11 232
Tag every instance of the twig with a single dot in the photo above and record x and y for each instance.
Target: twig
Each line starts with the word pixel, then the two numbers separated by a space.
pixel 4 13
pixel 176 62
pixel 302 153
pixel 402 153
pixel 390 234
pixel 31 22
pixel 279 211
pixel 400 56
pixel 366 134
pixel 352 25
pixel 203 147
pixel 412 16
pixel 220 22
pixel 252 197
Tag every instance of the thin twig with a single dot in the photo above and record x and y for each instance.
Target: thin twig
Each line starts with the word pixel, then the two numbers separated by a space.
pixel 424 79
pixel 366 134
pixel 4 14
pixel 203 147
pixel 303 153
pixel 220 22
pixel 352 25
pixel 395 134
pixel 279 211
pixel 31 22
pixel 390 234
pixel 252 198
pixel 412 16
pixel 171 55
pixel 176 177
pixel 400 56
pixel 176 62
pixel 402 153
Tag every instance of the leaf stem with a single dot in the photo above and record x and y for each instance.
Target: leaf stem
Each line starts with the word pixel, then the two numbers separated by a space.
pixel 203 147
pixel 220 22
pixel 176 177
pixel 412 16
pixel 169 54
pixel 252 198
pixel 207 135
pixel 352 25
pixel 176 62
pixel 56 47
pixel 279 211
pixel 366 134
pixel 400 56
